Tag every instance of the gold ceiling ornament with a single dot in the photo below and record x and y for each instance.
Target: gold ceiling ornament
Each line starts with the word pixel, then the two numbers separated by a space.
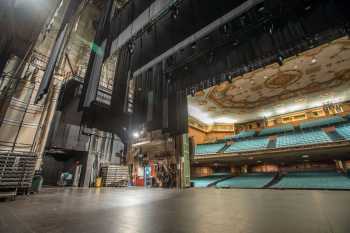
pixel 342 74
pixel 297 81
pixel 283 79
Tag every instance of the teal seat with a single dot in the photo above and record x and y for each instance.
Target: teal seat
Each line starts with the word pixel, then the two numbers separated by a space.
pixel 314 180
pixel 302 138
pixel 322 122
pixel 202 182
pixel 244 134
pixel 253 180
pixel 248 145
pixel 344 131
pixel 276 130
pixel 205 149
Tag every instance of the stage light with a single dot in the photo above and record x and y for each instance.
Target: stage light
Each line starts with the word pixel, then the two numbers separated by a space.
pixel 347 30
pixel 228 78
pixel 194 45
pixel 136 135
pixel 131 47
pixel 280 60
pixel 193 92
pixel 235 43
pixel 175 12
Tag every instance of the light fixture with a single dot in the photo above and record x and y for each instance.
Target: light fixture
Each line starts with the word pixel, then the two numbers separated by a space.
pixel 131 47
pixel 228 78
pixel 194 45
pixel 314 60
pixel 136 135
pixel 280 60
pixel 175 12
pixel 193 92
pixel 305 156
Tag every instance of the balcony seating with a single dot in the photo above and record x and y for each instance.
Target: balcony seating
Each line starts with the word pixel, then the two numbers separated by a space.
pixel 202 182
pixel 302 138
pixel 276 130
pixel 248 145
pixel 322 122
pixel 344 131
pixel 253 180
pixel 244 134
pixel 313 180
pixel 204 149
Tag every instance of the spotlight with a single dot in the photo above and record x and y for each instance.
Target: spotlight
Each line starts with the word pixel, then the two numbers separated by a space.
pixel 235 43
pixel 193 92
pixel 224 29
pixel 136 134
pixel 280 60
pixel 131 47
pixel 211 57
pixel 347 30
pixel 175 12
pixel 228 78
pixel 194 45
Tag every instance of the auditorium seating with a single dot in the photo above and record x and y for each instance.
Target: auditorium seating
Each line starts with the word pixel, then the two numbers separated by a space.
pixel 344 131
pixel 252 180
pixel 209 148
pixel 287 136
pixel 313 180
pixel 276 130
pixel 322 122
pixel 248 145
pixel 302 138
pixel 202 182
pixel 244 134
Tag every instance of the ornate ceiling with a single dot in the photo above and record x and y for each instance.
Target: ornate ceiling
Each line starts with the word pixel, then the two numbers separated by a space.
pixel 318 76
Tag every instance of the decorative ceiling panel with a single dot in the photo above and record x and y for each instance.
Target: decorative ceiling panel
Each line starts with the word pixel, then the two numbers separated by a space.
pixel 318 76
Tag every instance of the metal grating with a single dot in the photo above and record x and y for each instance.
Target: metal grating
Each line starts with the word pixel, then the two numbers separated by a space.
pixel 16 170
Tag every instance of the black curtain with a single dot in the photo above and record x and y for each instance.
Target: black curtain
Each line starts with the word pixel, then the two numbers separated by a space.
pixel 128 14
pixel 57 49
pixel 93 73
pixel 50 68
pixel 120 87
pixel 193 15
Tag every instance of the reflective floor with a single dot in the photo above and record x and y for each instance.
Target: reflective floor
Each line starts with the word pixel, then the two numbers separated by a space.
pixel 171 211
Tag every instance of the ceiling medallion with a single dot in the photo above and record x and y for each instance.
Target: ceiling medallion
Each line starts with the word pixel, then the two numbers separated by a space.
pixel 283 79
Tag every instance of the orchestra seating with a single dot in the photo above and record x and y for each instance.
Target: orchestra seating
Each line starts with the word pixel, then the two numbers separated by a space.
pixel 252 180
pixel 202 182
pixel 344 130
pixel 322 122
pixel 276 130
pixel 248 145
pixel 313 180
pixel 209 148
pixel 302 138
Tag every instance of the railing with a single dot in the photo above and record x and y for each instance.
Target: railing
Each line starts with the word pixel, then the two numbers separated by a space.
pixel 105 89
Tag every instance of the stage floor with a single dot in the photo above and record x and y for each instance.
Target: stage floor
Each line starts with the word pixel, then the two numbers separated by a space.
pixel 138 210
